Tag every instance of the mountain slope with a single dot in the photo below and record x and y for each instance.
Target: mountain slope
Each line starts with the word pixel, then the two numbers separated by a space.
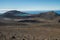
pixel 14 14
pixel 48 15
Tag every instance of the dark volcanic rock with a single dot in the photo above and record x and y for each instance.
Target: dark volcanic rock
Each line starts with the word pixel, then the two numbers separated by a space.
pixel 30 21
pixel 15 14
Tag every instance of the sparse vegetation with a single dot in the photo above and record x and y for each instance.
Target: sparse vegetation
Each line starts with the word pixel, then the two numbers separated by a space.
pixel 44 26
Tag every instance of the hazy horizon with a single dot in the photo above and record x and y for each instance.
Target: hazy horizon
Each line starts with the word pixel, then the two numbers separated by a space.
pixel 29 5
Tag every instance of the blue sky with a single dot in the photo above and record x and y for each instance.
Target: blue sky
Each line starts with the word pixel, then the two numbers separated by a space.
pixel 25 5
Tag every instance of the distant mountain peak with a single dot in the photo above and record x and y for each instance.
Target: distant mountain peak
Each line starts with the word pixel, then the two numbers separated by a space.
pixel 14 14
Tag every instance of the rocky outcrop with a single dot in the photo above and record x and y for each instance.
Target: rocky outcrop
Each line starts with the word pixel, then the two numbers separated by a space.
pixel 48 15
